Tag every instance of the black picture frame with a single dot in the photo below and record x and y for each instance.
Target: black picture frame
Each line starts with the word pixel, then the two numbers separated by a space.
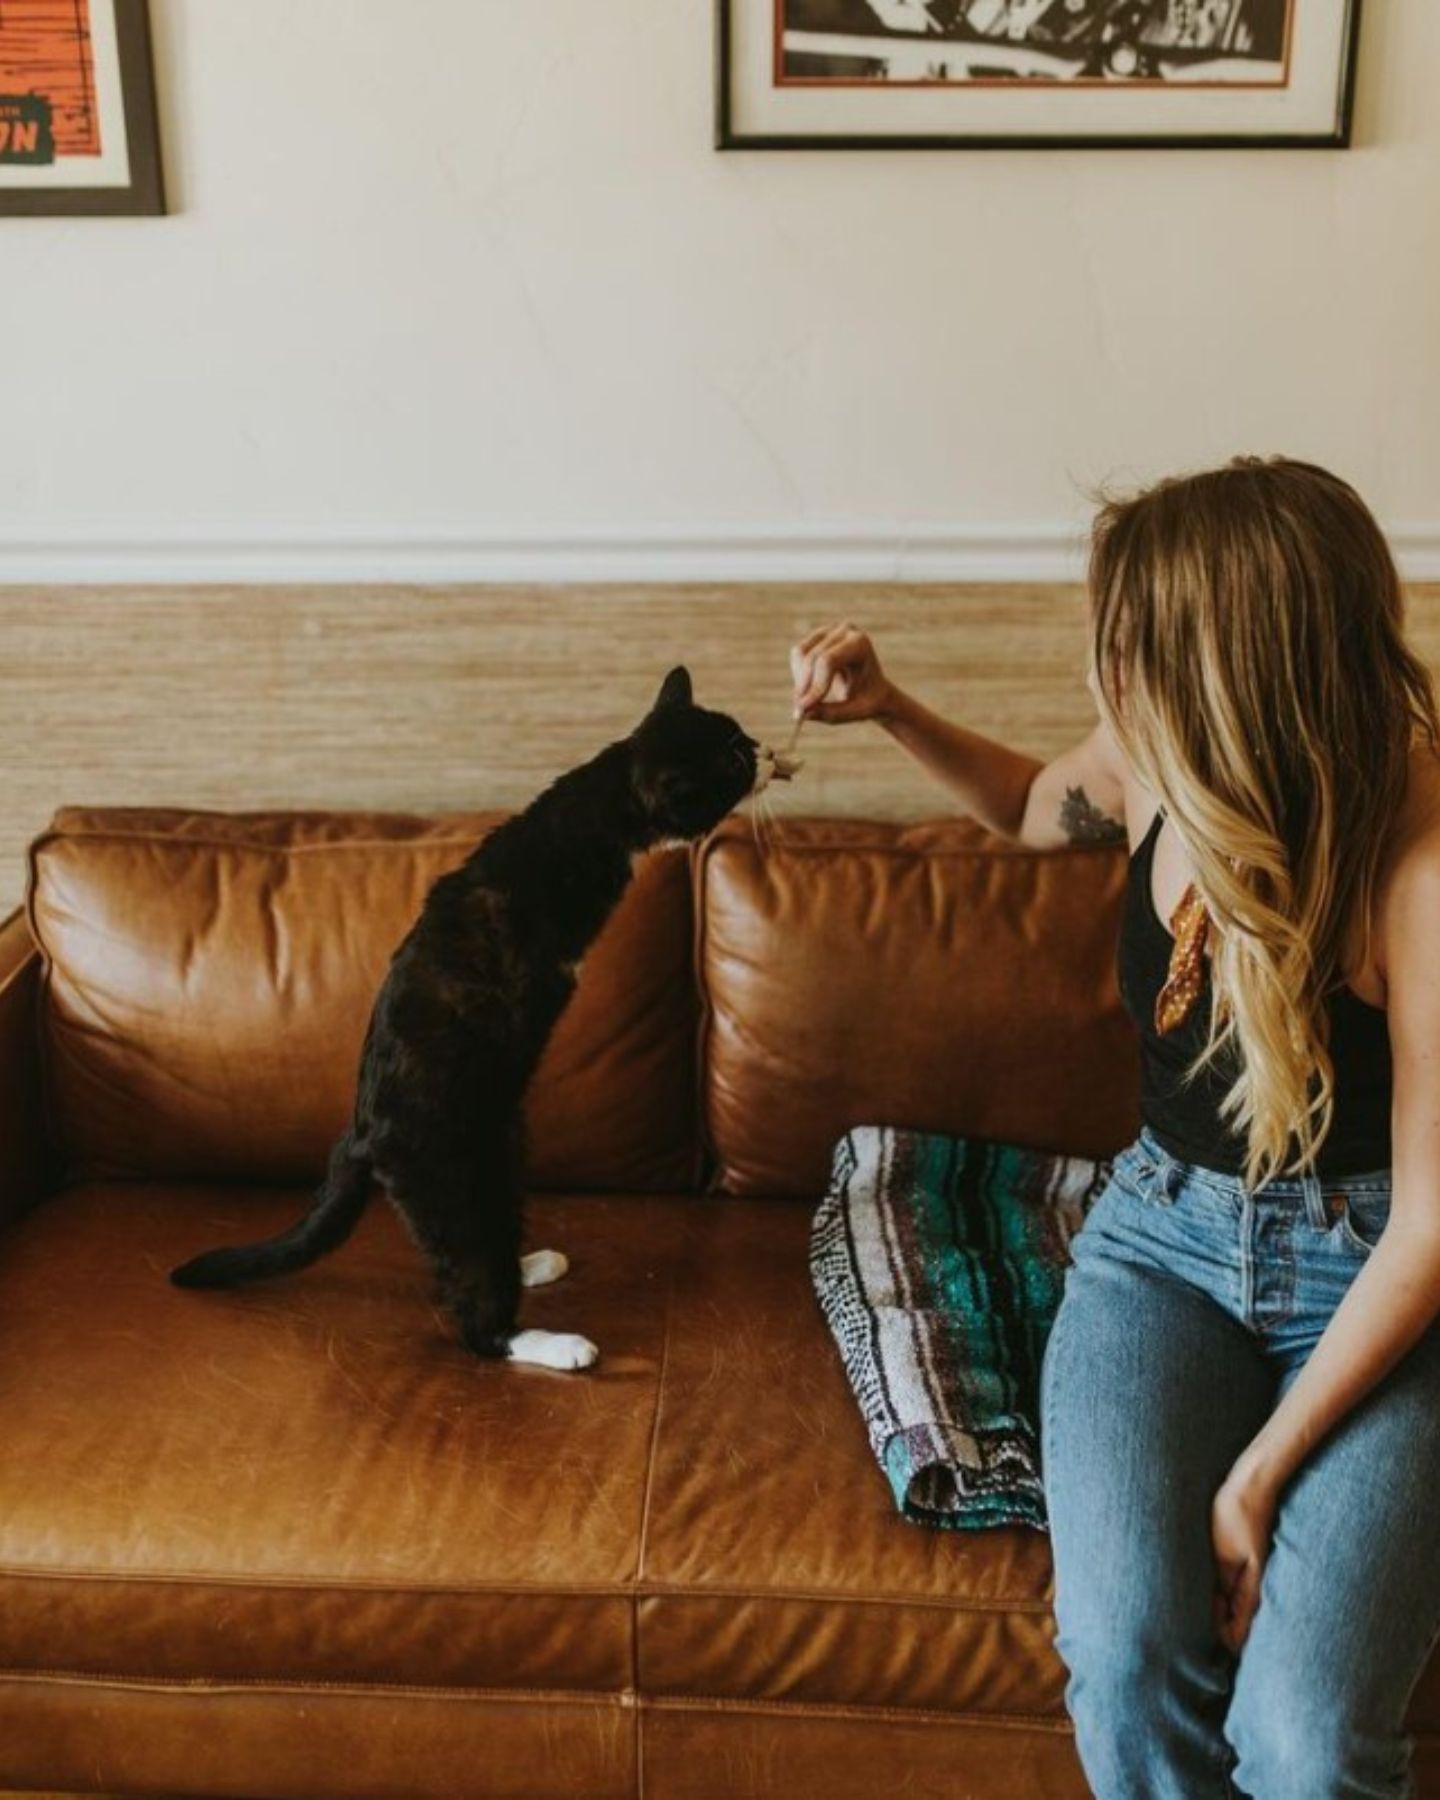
pixel 144 195
pixel 726 137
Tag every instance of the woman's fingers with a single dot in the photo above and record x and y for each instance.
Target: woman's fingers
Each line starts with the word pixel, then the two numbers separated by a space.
pixel 1235 1601
pixel 802 655
pixel 821 632
pixel 822 671
pixel 809 682
pixel 825 665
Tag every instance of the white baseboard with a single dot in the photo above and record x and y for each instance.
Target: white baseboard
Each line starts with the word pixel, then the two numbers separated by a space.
pixel 965 553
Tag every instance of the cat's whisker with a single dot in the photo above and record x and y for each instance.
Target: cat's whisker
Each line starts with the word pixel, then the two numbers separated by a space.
pixel 772 821
pixel 757 825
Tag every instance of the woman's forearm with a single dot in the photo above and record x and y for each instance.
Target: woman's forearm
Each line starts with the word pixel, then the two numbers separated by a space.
pixel 990 781
pixel 1389 1305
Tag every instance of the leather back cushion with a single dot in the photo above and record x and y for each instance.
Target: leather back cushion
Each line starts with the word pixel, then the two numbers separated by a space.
pixel 209 977
pixel 933 976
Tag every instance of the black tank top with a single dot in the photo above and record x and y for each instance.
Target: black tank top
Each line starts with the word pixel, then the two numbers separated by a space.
pixel 1187 1121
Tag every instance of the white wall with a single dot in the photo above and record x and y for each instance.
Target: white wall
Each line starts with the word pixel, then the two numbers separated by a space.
pixel 454 280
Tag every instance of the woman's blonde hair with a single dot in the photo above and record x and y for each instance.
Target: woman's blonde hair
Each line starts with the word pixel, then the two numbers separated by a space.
pixel 1247 635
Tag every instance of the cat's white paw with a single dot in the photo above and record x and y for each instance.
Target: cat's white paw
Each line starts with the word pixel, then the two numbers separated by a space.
pixel 541 1266
pixel 553 1349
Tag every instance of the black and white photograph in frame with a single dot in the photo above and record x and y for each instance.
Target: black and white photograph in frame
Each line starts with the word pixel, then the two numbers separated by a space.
pixel 872 74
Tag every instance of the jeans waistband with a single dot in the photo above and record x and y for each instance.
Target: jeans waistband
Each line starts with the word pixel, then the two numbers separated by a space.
pixel 1310 1188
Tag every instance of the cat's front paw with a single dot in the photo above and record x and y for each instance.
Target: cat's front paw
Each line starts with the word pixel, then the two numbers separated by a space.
pixel 541 1266
pixel 553 1349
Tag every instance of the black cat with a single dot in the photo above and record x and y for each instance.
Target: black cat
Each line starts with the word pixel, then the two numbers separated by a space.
pixel 470 999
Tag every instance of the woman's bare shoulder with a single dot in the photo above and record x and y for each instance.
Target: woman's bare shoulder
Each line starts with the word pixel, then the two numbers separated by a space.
pixel 1407 888
pixel 1421 811
pixel 1141 803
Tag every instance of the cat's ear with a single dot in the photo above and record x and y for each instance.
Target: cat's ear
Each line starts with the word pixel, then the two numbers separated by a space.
pixel 675 689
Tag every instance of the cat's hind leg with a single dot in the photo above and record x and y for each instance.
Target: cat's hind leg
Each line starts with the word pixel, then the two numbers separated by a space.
pixel 468 1219
pixel 472 1239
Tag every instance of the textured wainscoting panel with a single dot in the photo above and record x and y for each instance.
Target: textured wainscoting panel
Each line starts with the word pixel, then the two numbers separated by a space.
pixel 470 697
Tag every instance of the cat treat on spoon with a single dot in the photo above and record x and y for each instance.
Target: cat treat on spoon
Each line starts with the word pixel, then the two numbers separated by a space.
pixel 472 995
pixel 780 765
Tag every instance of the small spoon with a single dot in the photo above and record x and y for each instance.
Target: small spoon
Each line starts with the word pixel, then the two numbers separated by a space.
pixel 787 764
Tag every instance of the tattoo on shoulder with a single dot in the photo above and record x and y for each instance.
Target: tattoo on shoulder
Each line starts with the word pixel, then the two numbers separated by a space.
pixel 1084 823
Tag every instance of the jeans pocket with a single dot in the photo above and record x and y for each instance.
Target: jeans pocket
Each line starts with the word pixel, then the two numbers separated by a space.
pixel 1363 1216
pixel 1133 1174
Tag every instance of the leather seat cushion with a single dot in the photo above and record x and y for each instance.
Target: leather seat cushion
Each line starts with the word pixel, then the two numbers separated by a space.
pixel 309 1480
pixel 210 976
pixel 776 1565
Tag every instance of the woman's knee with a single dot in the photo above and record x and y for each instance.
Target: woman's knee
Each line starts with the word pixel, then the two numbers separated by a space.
pixel 1148 1709
pixel 1139 1631
pixel 1302 1729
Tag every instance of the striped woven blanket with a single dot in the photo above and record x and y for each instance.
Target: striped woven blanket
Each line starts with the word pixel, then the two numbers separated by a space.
pixel 939 1263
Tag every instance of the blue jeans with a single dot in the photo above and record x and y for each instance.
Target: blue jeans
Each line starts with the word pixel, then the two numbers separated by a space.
pixel 1188 1310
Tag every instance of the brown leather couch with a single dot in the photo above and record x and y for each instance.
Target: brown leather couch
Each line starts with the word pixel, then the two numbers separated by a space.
pixel 293 1541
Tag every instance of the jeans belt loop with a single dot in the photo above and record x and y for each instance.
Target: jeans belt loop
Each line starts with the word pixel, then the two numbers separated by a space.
pixel 1171 1175
pixel 1315 1208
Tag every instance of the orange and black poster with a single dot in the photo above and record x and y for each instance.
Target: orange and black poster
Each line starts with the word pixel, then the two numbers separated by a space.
pixel 77 108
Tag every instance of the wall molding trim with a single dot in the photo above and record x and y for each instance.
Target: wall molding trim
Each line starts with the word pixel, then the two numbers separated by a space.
pixel 811 553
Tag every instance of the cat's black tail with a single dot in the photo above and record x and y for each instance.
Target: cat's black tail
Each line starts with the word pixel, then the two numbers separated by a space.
pixel 335 1214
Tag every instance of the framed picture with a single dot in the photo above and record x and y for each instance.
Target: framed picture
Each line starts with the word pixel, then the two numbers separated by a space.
pixel 78 131
pixel 1024 74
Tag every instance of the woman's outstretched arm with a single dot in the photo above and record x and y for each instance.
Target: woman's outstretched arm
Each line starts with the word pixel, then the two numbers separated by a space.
pixel 1078 797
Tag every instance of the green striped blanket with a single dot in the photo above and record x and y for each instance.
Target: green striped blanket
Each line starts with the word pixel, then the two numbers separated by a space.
pixel 939 1263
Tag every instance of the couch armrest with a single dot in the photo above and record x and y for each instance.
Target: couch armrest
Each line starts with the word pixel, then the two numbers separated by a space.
pixel 27 1161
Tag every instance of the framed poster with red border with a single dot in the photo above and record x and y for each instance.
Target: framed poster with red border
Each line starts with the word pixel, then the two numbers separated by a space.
pixel 1032 74
pixel 78 126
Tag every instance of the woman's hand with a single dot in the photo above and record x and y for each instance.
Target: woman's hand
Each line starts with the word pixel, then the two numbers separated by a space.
pixel 1241 1516
pixel 838 676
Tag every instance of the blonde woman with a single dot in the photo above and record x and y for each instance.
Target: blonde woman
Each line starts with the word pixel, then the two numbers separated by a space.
pixel 1240 1396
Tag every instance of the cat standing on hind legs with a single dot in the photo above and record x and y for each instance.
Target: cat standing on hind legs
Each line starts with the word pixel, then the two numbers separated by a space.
pixel 468 1004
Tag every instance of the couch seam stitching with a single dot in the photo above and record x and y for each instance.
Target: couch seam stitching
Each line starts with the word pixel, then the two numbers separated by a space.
pixel 683 1231
pixel 280 1683
pixel 636 1590
pixel 720 837
pixel 608 1697
pixel 706 1159
pixel 44 988
pixel 254 847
